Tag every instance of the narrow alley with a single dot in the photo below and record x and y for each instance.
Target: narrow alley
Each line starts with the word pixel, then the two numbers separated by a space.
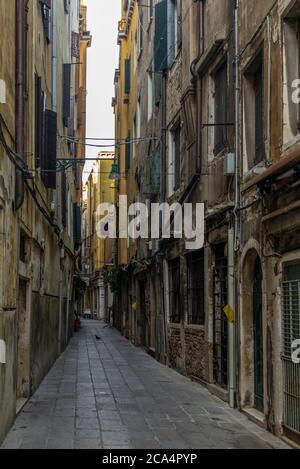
pixel 105 393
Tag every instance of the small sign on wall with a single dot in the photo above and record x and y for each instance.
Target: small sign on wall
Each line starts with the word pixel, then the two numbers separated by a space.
pixel 2 352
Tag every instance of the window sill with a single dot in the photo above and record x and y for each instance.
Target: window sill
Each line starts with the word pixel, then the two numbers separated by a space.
pixel 175 325
pixel 195 327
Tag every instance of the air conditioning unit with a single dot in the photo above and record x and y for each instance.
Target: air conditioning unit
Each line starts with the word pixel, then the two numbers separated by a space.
pixel 229 164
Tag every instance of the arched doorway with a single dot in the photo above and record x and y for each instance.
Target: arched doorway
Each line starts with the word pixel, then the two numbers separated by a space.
pixel 257 308
pixel 251 375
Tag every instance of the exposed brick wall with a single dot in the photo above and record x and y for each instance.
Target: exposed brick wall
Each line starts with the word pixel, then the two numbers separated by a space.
pixel 175 349
pixel 196 354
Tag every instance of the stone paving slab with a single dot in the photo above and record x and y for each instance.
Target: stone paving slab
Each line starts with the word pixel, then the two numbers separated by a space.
pixel 109 394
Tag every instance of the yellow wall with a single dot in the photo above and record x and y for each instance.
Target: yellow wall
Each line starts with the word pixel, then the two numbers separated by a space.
pixel 125 110
pixel 100 189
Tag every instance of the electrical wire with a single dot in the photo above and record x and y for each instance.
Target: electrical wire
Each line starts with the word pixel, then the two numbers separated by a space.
pixel 32 190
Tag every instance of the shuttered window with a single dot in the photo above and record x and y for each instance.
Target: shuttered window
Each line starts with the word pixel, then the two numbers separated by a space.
pixel 77 225
pixel 66 94
pixel 64 200
pixel 161 36
pixel 128 153
pixel 174 291
pixel 177 149
pixel 49 160
pixel 39 121
pixel 195 272
pixel 254 110
pixel 259 115
pixel 220 79
pixel 46 9
pixel 127 66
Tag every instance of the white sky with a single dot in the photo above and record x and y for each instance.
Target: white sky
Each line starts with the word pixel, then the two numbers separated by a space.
pixel 103 17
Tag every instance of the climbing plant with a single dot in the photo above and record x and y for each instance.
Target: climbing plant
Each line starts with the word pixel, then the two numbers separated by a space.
pixel 111 277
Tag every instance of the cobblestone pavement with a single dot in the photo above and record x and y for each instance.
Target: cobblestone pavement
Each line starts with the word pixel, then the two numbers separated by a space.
pixel 108 394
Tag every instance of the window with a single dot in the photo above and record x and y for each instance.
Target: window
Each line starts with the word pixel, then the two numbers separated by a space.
pixel 23 246
pixel 150 95
pixel 140 37
pixel 39 121
pixel 138 120
pixel 291 307
pixel 50 150
pixel 176 31
pixel 135 51
pixel 150 9
pixel 127 72
pixel 64 207
pixel 291 83
pixel 254 112
pixel 168 33
pixel 220 79
pixel 174 160
pixel 127 153
pixel 46 15
pixel 291 333
pixel 174 291
pixel 66 94
pixel 161 38
pixel 195 273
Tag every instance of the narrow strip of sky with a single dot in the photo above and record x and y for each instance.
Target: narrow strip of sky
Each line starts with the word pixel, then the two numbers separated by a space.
pixel 103 17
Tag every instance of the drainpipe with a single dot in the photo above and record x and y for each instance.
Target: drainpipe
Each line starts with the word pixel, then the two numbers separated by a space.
pixel 54 78
pixel 54 57
pixel 20 96
pixel 54 109
pixel 231 323
pixel 234 229
pixel 237 125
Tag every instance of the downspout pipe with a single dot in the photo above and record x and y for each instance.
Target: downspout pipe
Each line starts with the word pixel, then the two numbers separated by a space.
pixel 54 57
pixel 234 228
pixel 20 97
pixel 237 125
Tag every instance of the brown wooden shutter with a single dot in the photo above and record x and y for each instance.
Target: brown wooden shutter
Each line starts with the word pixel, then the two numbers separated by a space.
pixel 259 115
pixel 49 167
pixel 66 93
pixel 39 121
pixel 64 199
pixel 221 108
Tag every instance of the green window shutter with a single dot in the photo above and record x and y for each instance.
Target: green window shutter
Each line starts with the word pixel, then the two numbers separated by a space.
pixel 77 224
pixel 161 36
pixel 50 150
pixel 152 170
pixel 127 75
pixel 128 153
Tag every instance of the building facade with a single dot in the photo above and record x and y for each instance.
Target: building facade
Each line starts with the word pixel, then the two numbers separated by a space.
pixel 98 250
pixel 209 107
pixel 39 69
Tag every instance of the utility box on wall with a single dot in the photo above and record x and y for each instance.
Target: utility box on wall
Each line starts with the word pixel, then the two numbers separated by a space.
pixel 229 164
